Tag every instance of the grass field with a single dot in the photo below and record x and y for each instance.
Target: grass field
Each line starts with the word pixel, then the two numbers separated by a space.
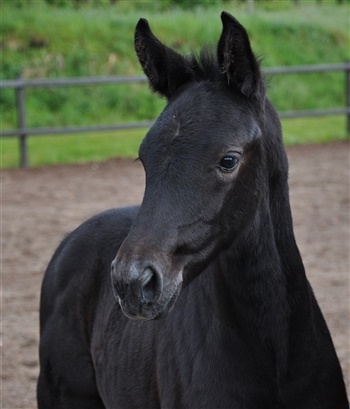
pixel 41 41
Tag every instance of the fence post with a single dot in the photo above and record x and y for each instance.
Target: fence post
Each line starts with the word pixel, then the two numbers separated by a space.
pixel 23 149
pixel 347 96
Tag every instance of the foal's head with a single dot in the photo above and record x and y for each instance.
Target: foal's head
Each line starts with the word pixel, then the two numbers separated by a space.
pixel 203 160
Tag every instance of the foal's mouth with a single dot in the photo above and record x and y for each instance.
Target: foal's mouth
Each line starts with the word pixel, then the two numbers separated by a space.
pixel 151 311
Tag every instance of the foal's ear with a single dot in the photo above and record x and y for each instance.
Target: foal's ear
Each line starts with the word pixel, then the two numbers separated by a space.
pixel 236 59
pixel 166 69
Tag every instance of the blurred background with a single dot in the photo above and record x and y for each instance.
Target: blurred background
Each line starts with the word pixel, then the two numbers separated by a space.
pixel 85 38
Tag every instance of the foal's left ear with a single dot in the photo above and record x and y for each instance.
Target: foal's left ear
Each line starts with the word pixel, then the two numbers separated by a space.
pixel 165 68
pixel 236 59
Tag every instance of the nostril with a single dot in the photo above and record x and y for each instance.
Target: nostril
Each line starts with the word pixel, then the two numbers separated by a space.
pixel 151 286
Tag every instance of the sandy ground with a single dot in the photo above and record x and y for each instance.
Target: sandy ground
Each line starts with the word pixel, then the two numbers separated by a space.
pixel 39 206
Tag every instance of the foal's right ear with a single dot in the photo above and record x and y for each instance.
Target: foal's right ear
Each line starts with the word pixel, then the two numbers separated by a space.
pixel 166 69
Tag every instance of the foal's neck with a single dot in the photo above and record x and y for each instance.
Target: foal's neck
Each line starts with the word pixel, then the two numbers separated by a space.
pixel 259 277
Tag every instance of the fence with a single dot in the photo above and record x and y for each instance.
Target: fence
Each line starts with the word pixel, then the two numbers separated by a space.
pixel 22 132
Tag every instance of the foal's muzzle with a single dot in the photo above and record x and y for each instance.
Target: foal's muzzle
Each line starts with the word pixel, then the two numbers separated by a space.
pixel 140 290
pixel 145 288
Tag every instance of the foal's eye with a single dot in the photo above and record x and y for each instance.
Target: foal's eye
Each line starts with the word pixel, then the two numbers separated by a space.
pixel 228 163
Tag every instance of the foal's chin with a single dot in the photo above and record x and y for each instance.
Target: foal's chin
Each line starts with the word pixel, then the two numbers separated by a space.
pixel 152 311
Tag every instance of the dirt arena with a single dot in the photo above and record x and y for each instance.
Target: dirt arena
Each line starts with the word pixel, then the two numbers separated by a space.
pixel 39 206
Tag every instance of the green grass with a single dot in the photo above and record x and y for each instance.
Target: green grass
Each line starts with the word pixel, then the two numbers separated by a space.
pixel 314 130
pixel 75 148
pixel 41 41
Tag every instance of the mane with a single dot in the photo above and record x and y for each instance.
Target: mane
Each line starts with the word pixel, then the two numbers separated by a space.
pixel 205 67
pixel 204 64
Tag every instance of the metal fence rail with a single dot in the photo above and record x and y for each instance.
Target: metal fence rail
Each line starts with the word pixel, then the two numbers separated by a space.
pixel 23 132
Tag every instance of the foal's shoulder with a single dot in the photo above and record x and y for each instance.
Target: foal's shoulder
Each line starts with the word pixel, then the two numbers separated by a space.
pixel 117 220
pixel 108 228
pixel 95 240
